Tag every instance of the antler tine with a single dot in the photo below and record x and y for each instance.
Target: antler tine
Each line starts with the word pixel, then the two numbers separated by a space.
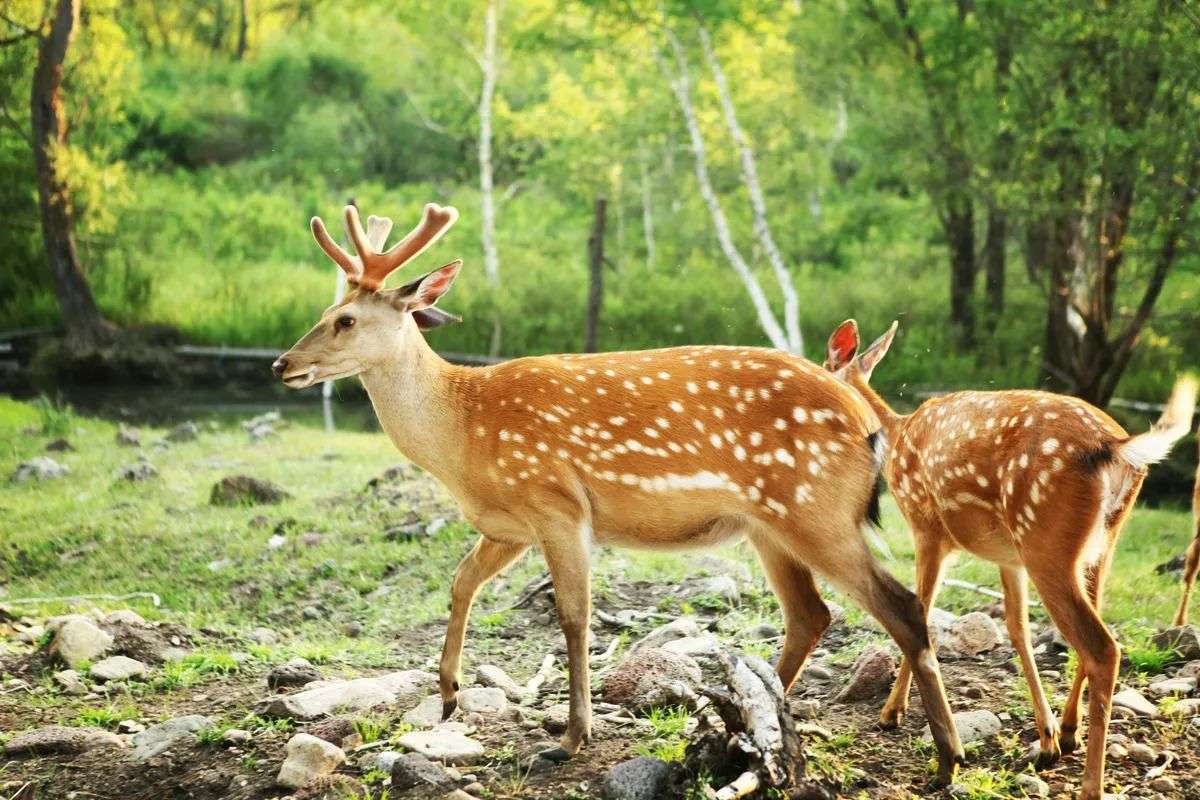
pixel 435 221
pixel 350 265
pixel 378 229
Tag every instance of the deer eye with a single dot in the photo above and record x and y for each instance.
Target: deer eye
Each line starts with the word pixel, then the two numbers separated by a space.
pixel 345 321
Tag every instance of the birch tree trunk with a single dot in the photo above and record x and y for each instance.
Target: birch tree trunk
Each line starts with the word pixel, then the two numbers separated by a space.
pixel 647 203
pixel 681 87
pixel 491 258
pixel 758 204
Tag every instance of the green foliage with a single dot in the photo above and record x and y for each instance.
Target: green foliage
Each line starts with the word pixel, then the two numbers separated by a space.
pixel 55 415
pixel 371 728
pixel 104 717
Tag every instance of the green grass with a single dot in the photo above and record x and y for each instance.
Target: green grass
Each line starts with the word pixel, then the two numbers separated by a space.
pixel 104 717
pixel 666 737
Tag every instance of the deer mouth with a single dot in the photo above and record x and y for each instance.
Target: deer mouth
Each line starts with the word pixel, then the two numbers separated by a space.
pixel 301 379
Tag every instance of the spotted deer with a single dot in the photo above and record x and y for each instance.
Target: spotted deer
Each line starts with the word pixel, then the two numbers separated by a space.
pixel 1191 564
pixel 671 448
pixel 1039 484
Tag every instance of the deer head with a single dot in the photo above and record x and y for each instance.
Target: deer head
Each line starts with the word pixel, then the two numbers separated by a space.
pixel 843 347
pixel 370 325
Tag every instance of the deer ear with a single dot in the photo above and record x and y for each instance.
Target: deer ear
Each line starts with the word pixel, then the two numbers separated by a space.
pixel 433 317
pixel 425 291
pixel 875 353
pixel 843 344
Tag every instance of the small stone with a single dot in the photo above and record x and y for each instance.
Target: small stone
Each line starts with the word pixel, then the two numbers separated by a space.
pixel 1142 753
pixel 1172 687
pixel 817 672
pixel 311 539
pixel 136 472
pixel 805 709
pixel 717 587
pixel 59 739
pixel 1186 708
pixel 276 541
pixel 296 672
pixel 263 636
pixel 676 629
pixel 118 668
pixel 130 726
pixel 425 714
pixel 639 778
pixel 42 468
pixel 1117 752
pixel 1163 784
pixel 972 634
pixel 483 700
pixel 873 674
pixel 761 632
pixel 326 697
pixel 70 681
pixel 236 736
pixel 414 769
pixel 973 726
pixel 1032 785
pixel 491 675
pixel 694 646
pixel 556 717
pixel 78 641
pixel 124 616
pixel 1184 640
pixel 474 788
pixel 159 738
pixel 238 490
pixel 443 745
pixel 183 432
pixel 652 677
pixel 435 526
pixel 308 758
pixel 30 635
pixel 1133 700
pixel 128 437
pixel 405 533
pixel 59 446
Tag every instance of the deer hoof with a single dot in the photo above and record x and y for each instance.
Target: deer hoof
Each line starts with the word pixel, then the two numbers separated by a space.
pixel 1067 743
pixel 448 708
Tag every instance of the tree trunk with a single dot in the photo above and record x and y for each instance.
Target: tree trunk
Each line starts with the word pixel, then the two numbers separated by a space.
pixel 86 329
pixel 218 31
pixel 960 235
pixel 647 204
pixel 994 263
pixel 491 258
pixel 758 205
pixel 681 87
pixel 243 24
pixel 595 276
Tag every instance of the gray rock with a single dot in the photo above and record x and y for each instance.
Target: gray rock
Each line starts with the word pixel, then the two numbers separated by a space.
pixel 482 700
pixel 130 726
pixel 59 739
pixel 159 738
pixel 1032 785
pixel 263 636
pixel 1142 753
pixel 1164 784
pixel 236 736
pixel 719 587
pixel 971 634
pixel 183 432
pixel 354 695
pixel 973 726
pixel 636 779
pixel 1184 640
pixel 136 472
pixel 1133 700
pixel 118 668
pixel 425 714
pixel 123 616
pixel 1177 687
pixel 695 646
pixel 42 468
pixel 385 761
pixel 491 675
pixel 1186 708
pixel 1117 752
pixel 128 437
pixel 762 631
pixel 296 672
pixel 872 676
pixel 676 629
pixel 443 745
pixel 308 758
pixel 651 677
pixel 30 635
pixel 805 709
pixel 78 641
pixel 70 681
pixel 554 721
pixel 435 526
pixel 242 490
pixel 412 770
pixel 59 445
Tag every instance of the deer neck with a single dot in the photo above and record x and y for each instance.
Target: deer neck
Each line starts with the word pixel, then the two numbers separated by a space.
pixel 888 418
pixel 419 399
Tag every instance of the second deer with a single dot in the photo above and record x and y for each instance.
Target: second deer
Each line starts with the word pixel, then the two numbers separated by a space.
pixel 1191 564
pixel 1039 484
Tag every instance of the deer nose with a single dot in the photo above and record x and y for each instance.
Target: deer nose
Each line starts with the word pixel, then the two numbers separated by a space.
pixel 279 366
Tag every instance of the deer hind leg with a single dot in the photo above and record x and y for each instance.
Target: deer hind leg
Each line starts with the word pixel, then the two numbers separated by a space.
pixel 843 557
pixel 486 560
pixel 1190 568
pixel 931 554
pixel 805 615
pixel 1099 659
pixel 1016 618
pixel 570 570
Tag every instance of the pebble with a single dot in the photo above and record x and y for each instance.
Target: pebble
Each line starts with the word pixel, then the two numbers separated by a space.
pixel 874 671
pixel 443 745
pixel 1164 784
pixel 1133 700
pixel 1142 753
pixel 1032 785
pixel 308 758
pixel 482 700
pixel 236 736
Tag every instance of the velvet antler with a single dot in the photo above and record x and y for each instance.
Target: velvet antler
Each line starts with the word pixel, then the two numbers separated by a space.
pixel 371 266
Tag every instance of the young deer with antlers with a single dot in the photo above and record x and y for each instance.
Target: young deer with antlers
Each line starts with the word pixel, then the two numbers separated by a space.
pixel 1191 564
pixel 1037 483
pixel 688 446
